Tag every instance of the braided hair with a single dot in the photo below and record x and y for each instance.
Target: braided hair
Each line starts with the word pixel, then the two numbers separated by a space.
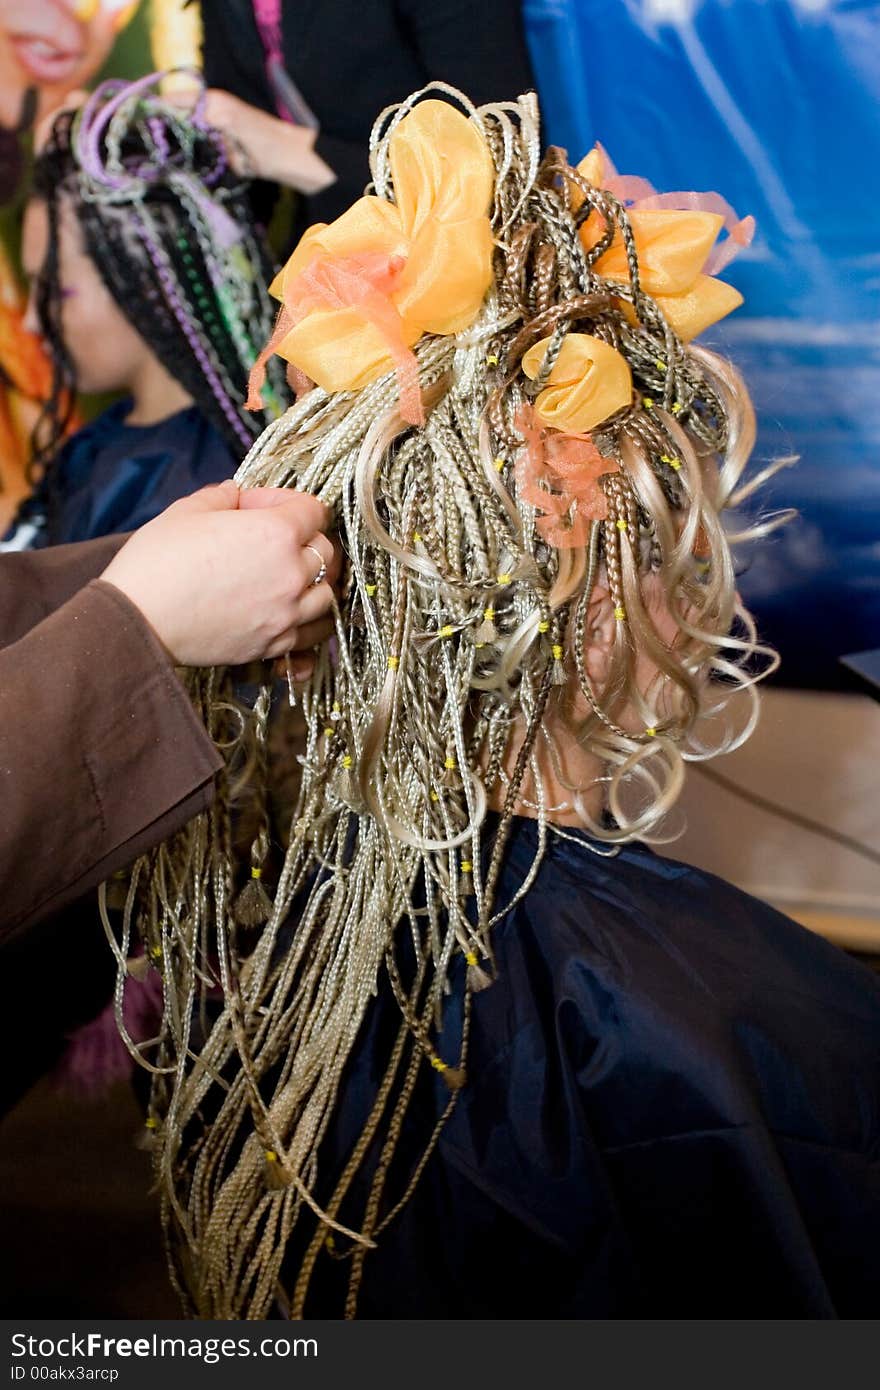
pixel 457 624
pixel 169 227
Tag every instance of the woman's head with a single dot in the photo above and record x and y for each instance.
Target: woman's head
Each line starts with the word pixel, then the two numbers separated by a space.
pixel 528 463
pixel 105 350
pixel 141 242
pixel 570 442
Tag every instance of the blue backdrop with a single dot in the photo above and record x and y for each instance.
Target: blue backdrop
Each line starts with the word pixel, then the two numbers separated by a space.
pixel 776 105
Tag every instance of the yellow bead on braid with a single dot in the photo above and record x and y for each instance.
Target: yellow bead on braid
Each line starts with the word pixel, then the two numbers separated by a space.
pixel 486 633
pixel 557 675
pixel 453 1076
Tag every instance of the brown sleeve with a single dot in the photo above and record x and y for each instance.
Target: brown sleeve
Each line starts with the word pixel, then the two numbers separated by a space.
pixel 33 583
pixel 101 753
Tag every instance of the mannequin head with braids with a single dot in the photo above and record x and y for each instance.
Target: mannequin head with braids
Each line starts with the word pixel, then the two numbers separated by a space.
pixel 529 463
pixel 148 272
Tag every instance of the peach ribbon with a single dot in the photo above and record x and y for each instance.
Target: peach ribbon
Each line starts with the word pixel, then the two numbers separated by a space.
pixel 363 282
pixel 384 273
pixel 559 474
pixel 675 236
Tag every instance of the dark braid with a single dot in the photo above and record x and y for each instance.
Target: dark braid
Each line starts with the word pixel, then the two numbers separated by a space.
pixel 57 410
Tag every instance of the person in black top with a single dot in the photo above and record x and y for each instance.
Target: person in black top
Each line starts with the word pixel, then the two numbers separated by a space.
pixel 346 61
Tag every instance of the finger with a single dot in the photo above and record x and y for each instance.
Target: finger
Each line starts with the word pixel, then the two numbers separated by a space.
pixel 219 104
pixel 331 552
pixel 318 555
pixel 307 514
pixel 315 603
pixel 299 656
pixel 300 639
pixel 254 498
pixel 312 634
pixel 297 666
pixel 217 497
pixel 301 643
pixel 285 646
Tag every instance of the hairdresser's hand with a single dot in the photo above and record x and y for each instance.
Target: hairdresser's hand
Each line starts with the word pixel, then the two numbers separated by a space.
pixel 224 577
pixel 263 146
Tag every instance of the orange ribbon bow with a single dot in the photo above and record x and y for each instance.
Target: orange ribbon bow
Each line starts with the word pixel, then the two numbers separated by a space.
pixel 675 234
pixel 589 382
pixel 357 294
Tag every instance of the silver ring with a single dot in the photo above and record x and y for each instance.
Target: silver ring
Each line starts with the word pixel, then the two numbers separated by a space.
pixel 322 572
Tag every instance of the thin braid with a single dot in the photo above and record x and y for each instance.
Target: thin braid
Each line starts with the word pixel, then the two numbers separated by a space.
pixel 191 332
pixel 57 411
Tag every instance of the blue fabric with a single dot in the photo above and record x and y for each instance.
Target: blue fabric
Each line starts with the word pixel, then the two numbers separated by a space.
pixel 776 104
pixel 672 1110
pixel 112 477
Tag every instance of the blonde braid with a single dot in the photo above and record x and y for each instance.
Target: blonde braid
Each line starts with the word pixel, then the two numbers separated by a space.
pixel 451 633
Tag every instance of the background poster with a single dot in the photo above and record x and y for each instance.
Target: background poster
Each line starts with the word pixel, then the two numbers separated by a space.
pixel 776 105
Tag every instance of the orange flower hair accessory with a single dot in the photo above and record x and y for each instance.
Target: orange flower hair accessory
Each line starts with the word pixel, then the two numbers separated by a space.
pixel 675 234
pixel 358 293
pixel 590 381
pixel 559 474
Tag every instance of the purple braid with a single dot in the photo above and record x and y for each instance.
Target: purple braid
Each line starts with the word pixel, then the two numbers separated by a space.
pixel 213 178
pixel 156 128
pixel 99 111
pixel 95 118
pixel 166 279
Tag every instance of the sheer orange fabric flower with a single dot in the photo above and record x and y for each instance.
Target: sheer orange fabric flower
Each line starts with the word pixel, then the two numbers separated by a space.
pixel 359 292
pixel 674 246
pixel 559 474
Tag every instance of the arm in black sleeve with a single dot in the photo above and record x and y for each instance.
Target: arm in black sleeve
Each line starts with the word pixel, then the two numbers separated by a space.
pixel 232 53
pixel 478 47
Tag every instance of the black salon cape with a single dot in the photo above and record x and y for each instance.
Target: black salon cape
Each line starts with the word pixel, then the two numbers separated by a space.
pixel 672 1110
pixel 112 477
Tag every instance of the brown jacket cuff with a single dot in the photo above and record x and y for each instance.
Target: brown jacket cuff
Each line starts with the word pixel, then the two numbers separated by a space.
pixel 101 753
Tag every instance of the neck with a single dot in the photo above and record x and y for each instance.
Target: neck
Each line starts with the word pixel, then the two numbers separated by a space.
pixel 156 394
pixel 562 763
